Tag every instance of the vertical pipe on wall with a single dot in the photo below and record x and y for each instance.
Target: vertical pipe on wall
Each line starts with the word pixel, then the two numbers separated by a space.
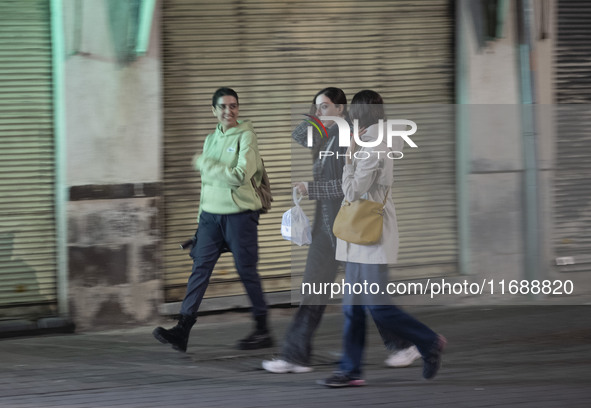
pixel 502 7
pixel 530 157
pixel 61 196
pixel 144 26
pixel 462 151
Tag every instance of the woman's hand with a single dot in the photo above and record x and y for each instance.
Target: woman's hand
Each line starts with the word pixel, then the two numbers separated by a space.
pixel 301 186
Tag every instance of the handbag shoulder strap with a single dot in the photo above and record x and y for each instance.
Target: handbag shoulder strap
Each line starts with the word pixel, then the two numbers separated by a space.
pixel 386 197
pixel 383 202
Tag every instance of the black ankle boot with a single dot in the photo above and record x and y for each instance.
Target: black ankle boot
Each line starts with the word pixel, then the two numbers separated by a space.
pixel 259 338
pixel 178 336
pixel 261 323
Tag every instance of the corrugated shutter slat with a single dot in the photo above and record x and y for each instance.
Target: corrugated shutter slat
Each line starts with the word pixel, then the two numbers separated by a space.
pixel 27 221
pixel 572 183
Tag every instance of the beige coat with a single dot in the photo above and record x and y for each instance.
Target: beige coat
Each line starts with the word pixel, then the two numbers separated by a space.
pixel 371 178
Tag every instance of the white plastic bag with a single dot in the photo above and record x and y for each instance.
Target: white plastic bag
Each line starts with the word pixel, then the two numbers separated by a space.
pixel 295 226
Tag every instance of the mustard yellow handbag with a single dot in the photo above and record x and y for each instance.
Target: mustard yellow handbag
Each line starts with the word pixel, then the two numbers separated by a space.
pixel 360 222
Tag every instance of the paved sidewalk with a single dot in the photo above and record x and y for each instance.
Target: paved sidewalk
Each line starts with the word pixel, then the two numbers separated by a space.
pixel 527 356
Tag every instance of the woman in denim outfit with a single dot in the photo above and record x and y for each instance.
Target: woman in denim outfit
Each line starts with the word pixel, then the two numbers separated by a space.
pixel 370 176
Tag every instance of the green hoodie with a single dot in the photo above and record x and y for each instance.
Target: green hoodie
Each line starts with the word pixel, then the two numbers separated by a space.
pixel 228 162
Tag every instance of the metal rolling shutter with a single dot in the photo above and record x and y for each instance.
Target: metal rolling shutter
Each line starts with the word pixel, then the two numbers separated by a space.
pixel 27 224
pixel 572 183
pixel 279 53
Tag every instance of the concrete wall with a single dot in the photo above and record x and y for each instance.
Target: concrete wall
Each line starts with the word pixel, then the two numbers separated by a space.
pixel 496 157
pixel 114 165
pixel 114 128
pixel 113 261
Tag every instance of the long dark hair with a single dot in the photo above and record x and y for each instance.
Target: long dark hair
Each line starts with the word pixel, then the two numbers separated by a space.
pixel 336 96
pixel 367 107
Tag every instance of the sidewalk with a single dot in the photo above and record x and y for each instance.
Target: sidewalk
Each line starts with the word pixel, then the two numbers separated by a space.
pixel 523 356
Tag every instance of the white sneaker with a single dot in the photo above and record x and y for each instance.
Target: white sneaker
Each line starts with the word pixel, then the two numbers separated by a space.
pixel 403 358
pixel 282 367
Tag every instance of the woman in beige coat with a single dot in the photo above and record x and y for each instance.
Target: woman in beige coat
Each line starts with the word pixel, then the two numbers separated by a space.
pixel 369 174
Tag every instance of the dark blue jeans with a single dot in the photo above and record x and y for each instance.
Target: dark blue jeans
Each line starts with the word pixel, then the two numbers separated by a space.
pixel 388 317
pixel 321 267
pixel 239 233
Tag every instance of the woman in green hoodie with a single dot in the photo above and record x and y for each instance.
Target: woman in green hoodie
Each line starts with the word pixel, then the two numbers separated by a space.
pixel 228 219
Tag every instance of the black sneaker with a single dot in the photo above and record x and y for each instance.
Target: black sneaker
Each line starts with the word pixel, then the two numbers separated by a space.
pixel 339 380
pixel 255 340
pixel 432 364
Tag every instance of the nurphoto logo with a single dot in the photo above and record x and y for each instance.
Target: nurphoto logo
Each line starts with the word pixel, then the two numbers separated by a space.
pixel 317 123
pixel 393 128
